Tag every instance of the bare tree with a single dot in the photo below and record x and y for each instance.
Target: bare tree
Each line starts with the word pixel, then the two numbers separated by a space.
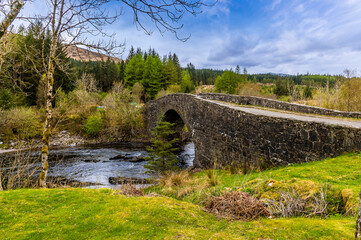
pixel 71 22
pixel 10 10
pixel 165 14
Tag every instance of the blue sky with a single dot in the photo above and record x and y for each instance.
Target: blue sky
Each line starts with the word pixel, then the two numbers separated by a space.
pixel 280 36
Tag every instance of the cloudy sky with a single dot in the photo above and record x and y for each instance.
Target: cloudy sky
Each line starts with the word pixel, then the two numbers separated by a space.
pixel 279 36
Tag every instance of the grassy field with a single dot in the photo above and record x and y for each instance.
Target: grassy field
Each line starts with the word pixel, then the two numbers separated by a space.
pixel 105 214
pixel 102 214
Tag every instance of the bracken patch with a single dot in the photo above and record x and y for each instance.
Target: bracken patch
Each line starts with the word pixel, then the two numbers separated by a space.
pixel 238 206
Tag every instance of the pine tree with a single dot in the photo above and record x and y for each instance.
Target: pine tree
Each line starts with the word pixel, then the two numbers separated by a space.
pixel 134 70
pixel 170 74
pixel 131 54
pixel 152 76
pixel 161 157
pixel 176 62
pixel 238 69
pixel 186 83
pixel 121 71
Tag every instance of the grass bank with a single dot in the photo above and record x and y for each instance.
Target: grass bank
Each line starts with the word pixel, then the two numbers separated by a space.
pixel 103 214
pixel 336 180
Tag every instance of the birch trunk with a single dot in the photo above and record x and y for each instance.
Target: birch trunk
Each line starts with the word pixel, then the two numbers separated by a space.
pixel 9 18
pixel 358 222
pixel 47 125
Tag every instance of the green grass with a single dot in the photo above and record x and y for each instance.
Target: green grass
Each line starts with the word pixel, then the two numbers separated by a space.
pixel 339 177
pixel 102 214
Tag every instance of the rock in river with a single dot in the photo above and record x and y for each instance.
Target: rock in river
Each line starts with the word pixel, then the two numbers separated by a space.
pixel 128 180
pixel 121 156
pixel 138 159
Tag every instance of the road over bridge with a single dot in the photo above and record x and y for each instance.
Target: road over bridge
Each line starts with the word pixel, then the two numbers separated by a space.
pixel 256 132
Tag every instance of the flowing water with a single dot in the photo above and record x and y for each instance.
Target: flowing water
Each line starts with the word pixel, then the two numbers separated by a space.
pixel 93 164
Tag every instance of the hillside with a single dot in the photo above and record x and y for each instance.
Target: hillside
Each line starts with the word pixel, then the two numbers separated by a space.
pixel 81 54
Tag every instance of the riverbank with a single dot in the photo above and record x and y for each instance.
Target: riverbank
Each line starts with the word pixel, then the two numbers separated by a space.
pixel 60 140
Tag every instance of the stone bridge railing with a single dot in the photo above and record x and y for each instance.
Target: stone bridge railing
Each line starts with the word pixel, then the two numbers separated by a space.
pixel 270 103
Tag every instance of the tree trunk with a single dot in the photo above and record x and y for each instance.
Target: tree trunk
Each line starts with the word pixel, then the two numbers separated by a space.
pixel 1 186
pixel 358 222
pixel 47 126
pixel 9 18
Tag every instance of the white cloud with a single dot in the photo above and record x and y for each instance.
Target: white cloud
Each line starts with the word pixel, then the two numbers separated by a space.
pixel 305 37
pixel 275 4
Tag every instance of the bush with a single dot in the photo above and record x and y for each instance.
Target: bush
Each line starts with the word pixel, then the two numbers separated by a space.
pixel 6 99
pixel 123 122
pixel 93 125
pixel 82 97
pixel 20 123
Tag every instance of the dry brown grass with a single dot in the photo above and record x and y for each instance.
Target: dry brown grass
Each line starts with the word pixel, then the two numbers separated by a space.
pixel 291 203
pixel 237 205
pixel 212 178
pixel 170 179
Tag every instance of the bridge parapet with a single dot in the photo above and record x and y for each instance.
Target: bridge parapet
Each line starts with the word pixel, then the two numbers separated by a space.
pixel 270 103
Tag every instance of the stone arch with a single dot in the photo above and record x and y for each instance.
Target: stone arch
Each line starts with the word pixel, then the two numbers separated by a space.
pixel 183 132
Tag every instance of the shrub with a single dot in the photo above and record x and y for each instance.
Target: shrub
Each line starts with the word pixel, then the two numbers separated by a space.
pixel 6 99
pixel 82 98
pixel 161 94
pixel 93 125
pixel 174 88
pixel 123 122
pixel 23 123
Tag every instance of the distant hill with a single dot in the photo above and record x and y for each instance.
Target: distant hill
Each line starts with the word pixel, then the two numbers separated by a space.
pixel 81 54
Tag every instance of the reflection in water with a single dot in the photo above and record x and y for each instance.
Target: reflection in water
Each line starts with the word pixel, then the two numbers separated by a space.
pixel 94 165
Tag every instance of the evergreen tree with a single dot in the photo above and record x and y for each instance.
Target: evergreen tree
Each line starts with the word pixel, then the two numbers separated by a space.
pixel 131 54
pixel 186 83
pixel 245 71
pixel 170 73
pixel 192 71
pixel 176 62
pixel 145 55
pixel 238 69
pixel 121 71
pixel 152 76
pixel 161 157
pixel 134 70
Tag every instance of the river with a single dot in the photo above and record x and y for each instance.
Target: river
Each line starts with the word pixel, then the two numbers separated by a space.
pixel 93 164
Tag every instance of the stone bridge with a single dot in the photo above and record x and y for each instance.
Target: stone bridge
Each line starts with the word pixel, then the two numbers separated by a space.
pixel 256 132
